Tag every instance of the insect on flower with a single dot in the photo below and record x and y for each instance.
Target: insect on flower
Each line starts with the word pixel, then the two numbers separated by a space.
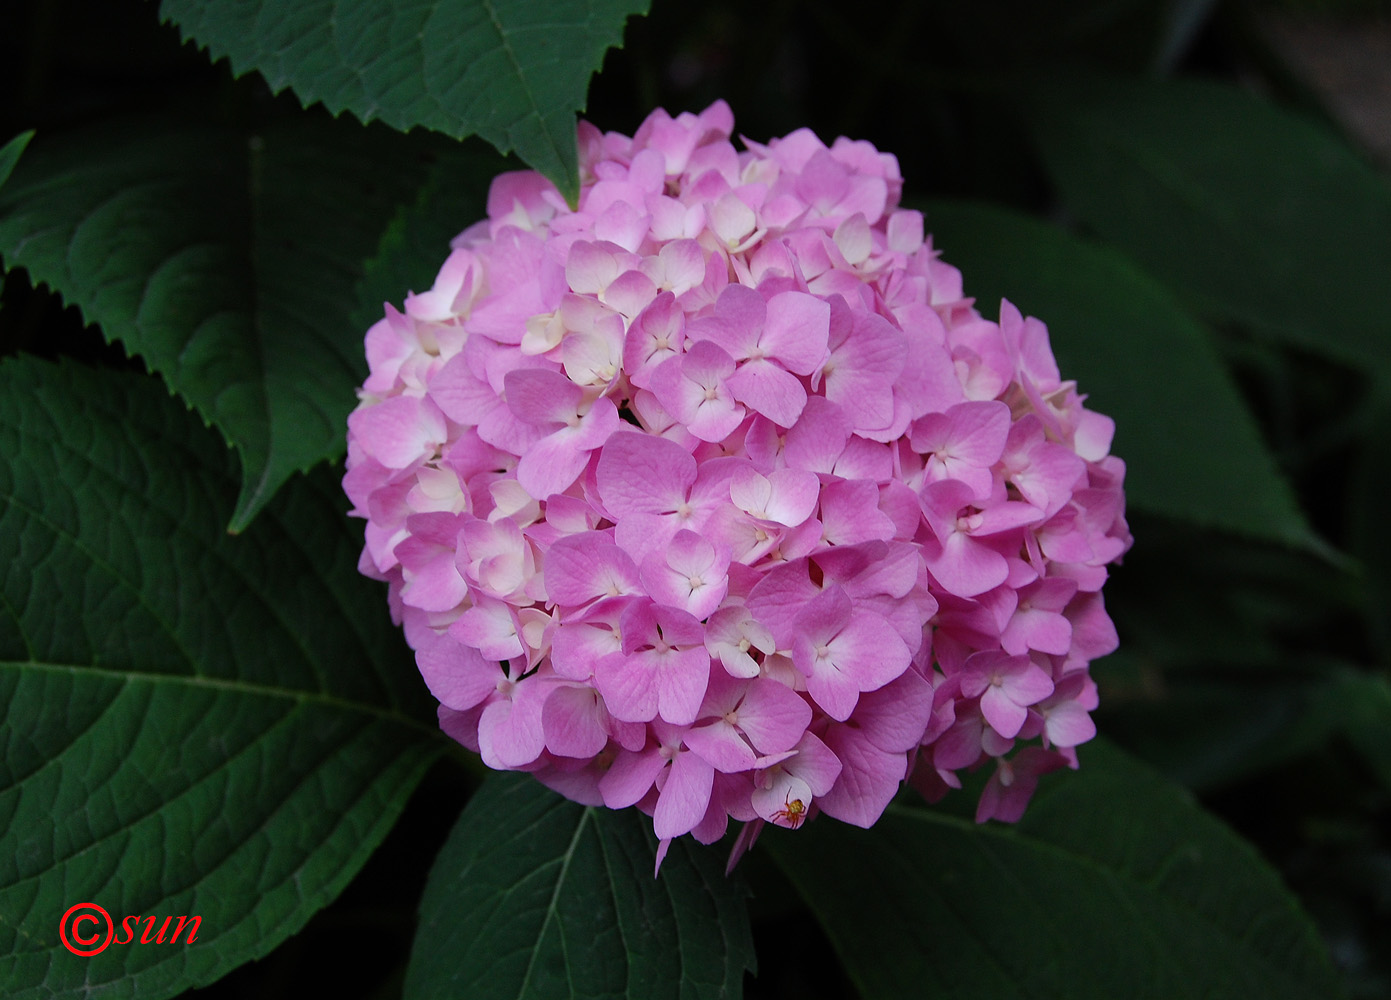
pixel 794 811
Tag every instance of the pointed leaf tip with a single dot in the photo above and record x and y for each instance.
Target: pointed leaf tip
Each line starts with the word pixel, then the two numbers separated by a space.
pixel 193 724
pixel 226 259
pixel 10 153
pixel 514 72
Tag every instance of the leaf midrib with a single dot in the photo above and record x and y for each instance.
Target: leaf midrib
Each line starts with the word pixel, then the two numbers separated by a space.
pixel 250 689
pixel 506 47
pixel 552 910
pixel 252 586
pixel 252 497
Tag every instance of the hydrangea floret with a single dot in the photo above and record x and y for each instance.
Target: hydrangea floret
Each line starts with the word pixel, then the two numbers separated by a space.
pixel 715 497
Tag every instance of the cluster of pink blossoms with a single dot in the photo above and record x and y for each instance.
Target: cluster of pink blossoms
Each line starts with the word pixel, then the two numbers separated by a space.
pixel 715 496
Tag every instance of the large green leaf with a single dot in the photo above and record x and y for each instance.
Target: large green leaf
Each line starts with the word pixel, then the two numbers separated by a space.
pixel 1192 450
pixel 453 196
pixel 512 71
pixel 10 153
pixel 226 260
pixel 1223 723
pixel 1256 215
pixel 1363 706
pixel 536 896
pixel 192 723
pixel 1115 884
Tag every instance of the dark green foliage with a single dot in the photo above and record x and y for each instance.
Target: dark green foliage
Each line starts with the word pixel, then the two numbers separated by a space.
pixel 1255 215
pixel 1068 904
pixel 224 258
pixel 193 723
pixel 534 896
pixel 1192 450
pixel 513 71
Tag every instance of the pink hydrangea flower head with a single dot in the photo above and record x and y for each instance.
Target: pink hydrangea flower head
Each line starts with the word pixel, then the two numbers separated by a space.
pixel 715 497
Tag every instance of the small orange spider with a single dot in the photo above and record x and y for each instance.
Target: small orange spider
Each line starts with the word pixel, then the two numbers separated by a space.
pixel 794 811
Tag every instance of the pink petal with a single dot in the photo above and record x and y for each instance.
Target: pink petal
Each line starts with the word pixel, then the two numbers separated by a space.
pixel 459 677
pixel 1005 715
pixel 736 322
pixel 905 231
pixel 818 438
pixel 1009 789
pixel 978 432
pixel 785 801
pixel 628 685
pixel 541 397
pixel 731 219
pixel 688 574
pixel 773 716
pixel 577 646
pixel 719 743
pixel 572 718
pixel 681 683
pixel 850 513
pixel 895 716
pixel 815 764
pixel 692 389
pixel 552 464
pixel 432 582
pixel 638 473
pixel 860 373
pixel 965 567
pixel 631 777
pixel 655 335
pixel 400 431
pixel 1068 725
pixel 490 627
pixel 867 653
pixel 587 566
pixel 868 781
pixel 590 267
pixel 772 391
pixel 787 496
pixel 510 733
pixel 684 797
pixel 1035 628
pixel 780 597
pixel 795 332
pixel 1027 684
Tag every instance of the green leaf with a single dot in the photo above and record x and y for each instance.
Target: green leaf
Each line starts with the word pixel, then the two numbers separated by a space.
pixel 512 71
pixel 11 152
pixel 1362 704
pixel 1114 884
pixel 1192 450
pixel 227 261
pixel 415 245
pixel 1255 215
pixel 1236 598
pixel 193 724
pixel 536 896
pixel 1222 723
